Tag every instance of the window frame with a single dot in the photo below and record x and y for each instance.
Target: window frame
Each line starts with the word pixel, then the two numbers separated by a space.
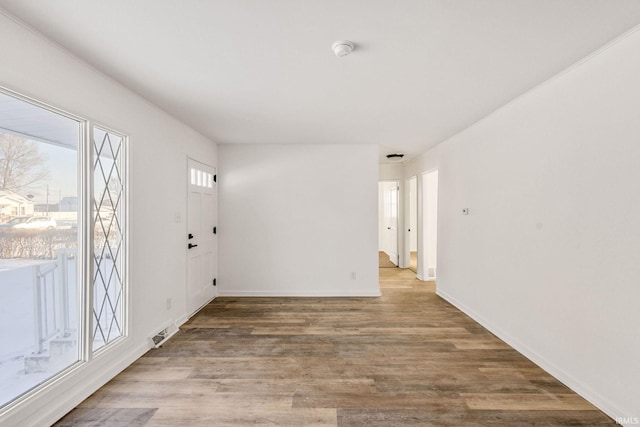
pixel 86 224
pixel 90 236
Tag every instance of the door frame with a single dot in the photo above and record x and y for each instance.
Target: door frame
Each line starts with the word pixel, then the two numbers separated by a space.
pixel 424 218
pixel 400 236
pixel 406 249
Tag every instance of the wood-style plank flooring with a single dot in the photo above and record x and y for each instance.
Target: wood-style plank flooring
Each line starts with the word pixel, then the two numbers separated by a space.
pixel 383 260
pixel 407 358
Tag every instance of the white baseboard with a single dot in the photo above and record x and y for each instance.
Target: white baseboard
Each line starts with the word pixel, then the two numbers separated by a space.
pixel 595 398
pixel 181 320
pixel 189 316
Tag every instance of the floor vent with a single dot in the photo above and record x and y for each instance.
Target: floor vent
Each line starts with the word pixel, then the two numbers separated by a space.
pixel 162 336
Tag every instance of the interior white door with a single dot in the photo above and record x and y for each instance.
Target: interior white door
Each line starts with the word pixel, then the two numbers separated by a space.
pixel 392 228
pixel 201 235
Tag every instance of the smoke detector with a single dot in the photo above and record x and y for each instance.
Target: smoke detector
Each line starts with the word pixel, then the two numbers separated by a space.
pixel 342 48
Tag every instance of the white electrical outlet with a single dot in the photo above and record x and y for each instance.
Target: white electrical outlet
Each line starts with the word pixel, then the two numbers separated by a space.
pixel 169 303
pixel 353 275
pixel 465 211
pixel 177 217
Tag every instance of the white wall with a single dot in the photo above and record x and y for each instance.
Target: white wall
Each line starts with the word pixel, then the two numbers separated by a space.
pixel 382 226
pixel 430 224
pixel 159 146
pixel 390 171
pixel 548 258
pixel 298 220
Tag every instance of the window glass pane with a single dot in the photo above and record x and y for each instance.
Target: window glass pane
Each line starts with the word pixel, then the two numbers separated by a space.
pixel 39 304
pixel 108 250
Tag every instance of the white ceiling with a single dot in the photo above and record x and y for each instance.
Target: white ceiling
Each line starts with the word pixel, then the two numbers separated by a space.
pixel 262 71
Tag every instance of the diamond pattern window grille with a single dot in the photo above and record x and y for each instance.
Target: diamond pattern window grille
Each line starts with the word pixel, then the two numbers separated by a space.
pixel 108 247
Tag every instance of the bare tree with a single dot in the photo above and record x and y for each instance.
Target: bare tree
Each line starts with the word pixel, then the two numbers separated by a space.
pixel 21 163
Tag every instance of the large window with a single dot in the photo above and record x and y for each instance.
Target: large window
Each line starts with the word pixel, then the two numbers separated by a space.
pixel 62 243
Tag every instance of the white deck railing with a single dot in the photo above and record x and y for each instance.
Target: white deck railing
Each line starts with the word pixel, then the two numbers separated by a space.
pixel 51 299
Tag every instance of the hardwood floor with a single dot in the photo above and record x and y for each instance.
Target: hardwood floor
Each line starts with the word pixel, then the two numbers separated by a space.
pixel 384 262
pixel 406 358
pixel 413 261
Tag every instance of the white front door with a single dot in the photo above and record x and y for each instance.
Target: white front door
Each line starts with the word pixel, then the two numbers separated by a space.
pixel 201 237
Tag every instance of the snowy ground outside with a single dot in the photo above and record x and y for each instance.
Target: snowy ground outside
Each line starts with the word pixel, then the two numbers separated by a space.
pixel 18 317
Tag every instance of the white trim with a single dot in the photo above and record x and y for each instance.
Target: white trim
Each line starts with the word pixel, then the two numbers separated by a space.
pixel 595 398
pixel 44 105
pixel 182 320
pixel 406 250
pixel 85 241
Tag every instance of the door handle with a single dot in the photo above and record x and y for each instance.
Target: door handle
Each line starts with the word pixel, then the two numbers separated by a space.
pixel 190 236
pixel 388 228
pixel 192 246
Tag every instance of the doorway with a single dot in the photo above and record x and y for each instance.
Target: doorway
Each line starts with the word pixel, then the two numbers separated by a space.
pixel 430 224
pixel 201 233
pixel 412 230
pixel 388 195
